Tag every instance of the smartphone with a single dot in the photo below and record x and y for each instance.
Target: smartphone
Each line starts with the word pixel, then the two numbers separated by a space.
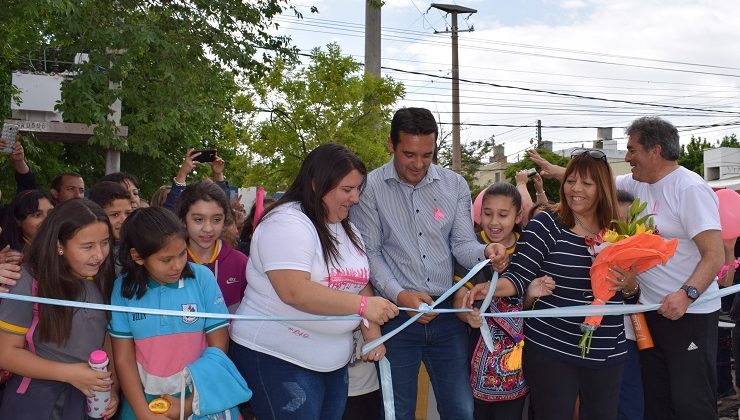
pixel 208 155
pixel 531 171
pixel 10 131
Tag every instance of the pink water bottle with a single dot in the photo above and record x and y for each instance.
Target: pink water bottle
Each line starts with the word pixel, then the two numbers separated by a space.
pixel 97 404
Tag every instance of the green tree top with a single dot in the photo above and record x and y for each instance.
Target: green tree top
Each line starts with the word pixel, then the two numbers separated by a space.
pixel 329 99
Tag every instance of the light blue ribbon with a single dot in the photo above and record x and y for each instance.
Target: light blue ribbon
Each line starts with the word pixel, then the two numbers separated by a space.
pixel 485 333
pixel 385 370
pixel 424 308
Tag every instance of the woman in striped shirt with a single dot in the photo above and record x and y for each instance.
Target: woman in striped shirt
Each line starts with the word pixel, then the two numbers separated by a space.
pixel 554 244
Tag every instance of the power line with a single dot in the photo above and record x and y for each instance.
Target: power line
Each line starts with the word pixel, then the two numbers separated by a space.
pixel 735 124
pixel 570 95
pixel 477 47
pixel 332 23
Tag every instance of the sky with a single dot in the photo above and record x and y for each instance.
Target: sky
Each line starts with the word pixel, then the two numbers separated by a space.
pixel 525 60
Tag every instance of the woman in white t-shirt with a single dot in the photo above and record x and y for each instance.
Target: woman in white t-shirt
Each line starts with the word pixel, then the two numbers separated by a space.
pixel 307 259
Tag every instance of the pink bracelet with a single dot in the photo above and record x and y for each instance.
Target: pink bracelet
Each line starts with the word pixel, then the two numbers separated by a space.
pixel 363 303
pixel 725 268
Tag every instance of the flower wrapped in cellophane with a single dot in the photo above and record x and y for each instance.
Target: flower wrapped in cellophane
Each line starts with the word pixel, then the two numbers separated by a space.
pixel 633 243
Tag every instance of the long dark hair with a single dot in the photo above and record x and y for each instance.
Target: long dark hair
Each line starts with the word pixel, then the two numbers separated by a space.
pixel 23 205
pixel 321 171
pixel 147 231
pixel 51 271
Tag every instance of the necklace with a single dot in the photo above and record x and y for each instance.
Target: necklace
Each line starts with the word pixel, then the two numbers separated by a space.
pixel 584 226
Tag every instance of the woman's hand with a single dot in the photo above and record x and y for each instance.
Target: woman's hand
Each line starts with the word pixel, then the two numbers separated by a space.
pixel 379 310
pixel 375 354
pixel 10 256
pixel 541 286
pixel 187 165
pixel 478 292
pixel 9 274
pixel 547 169
pixel 112 407
pixel 87 380
pixel 623 279
pixel 217 168
pixel 473 318
pixel 497 254
pixel 521 177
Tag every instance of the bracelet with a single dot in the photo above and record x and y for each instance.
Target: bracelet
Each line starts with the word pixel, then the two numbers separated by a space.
pixel 725 268
pixel 540 193
pixel 632 292
pixel 178 183
pixel 363 303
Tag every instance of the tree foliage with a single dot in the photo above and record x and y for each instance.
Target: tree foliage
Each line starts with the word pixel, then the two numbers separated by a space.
pixel 472 155
pixel 181 68
pixel 552 187
pixel 329 99
pixel 729 141
pixel 691 155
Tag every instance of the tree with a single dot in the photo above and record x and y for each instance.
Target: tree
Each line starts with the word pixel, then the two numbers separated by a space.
pixel 729 141
pixel 181 67
pixel 327 100
pixel 691 155
pixel 472 154
pixel 552 187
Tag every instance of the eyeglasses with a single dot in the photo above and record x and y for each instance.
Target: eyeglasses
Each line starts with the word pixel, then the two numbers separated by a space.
pixel 594 153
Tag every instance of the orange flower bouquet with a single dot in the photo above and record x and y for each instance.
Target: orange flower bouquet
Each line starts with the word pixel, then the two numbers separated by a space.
pixel 634 242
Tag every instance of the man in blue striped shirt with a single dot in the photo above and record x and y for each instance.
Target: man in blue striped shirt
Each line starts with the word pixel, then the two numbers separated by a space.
pixel 415 217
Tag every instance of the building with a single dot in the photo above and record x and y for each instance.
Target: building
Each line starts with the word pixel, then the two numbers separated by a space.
pixel 722 168
pixel 494 171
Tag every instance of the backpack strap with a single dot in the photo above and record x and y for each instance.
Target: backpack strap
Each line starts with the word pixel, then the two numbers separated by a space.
pixel 29 335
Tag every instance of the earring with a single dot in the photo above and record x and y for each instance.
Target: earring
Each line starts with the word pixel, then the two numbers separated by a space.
pixel 61 252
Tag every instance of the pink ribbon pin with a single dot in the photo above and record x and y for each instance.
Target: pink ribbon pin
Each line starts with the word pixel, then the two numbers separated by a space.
pixel 438 214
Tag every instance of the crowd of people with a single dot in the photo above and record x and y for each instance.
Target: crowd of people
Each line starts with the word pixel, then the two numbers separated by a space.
pixel 342 241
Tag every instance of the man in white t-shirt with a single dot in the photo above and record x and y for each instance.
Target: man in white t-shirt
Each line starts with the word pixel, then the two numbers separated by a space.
pixel 679 373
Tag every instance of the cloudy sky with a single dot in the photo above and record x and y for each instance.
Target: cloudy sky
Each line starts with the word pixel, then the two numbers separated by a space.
pixel 526 59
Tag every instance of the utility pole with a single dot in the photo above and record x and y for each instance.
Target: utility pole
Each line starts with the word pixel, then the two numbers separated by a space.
pixel 539 134
pixel 454 9
pixel 113 155
pixel 372 37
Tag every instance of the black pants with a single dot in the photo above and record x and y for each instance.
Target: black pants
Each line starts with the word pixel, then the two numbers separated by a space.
pixel 554 385
pixel 679 374
pixel 364 407
pixel 500 410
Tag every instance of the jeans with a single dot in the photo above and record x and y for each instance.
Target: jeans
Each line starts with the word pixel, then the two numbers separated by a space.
pixel 442 346
pixel 631 399
pixel 286 391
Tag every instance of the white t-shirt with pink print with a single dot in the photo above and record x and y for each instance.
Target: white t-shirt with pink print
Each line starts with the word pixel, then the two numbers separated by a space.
pixel 287 240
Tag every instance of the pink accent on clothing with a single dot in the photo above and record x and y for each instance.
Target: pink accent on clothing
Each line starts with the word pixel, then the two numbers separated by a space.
pixel 166 355
pixel 438 214
pixel 348 279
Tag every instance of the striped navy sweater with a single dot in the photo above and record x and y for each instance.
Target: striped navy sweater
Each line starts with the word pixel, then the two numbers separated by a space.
pixel 546 247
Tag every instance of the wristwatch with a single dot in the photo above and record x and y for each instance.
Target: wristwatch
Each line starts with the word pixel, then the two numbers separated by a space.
pixel 691 291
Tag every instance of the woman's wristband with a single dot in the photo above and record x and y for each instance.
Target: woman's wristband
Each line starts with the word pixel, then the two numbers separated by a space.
pixel 363 304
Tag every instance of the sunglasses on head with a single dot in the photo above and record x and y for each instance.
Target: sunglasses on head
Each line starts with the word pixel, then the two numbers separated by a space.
pixel 594 153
